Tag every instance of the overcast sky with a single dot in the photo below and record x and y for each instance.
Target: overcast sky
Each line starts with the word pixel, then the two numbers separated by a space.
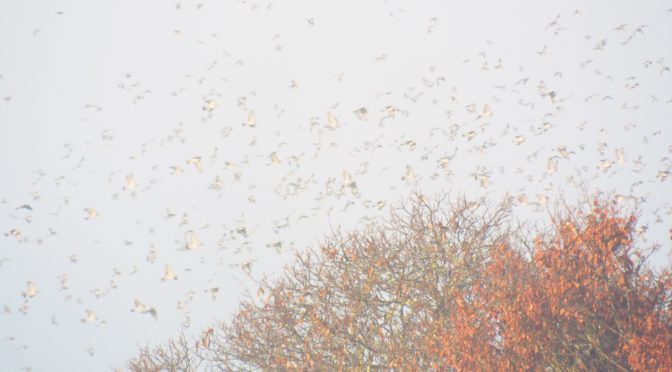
pixel 209 138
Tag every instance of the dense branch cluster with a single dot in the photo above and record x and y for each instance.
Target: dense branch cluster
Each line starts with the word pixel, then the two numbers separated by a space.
pixel 451 285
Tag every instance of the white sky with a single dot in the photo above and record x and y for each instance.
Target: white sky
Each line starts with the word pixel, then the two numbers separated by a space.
pixel 94 91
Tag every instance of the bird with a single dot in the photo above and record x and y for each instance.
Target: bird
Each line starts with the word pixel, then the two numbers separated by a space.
pixel 487 112
pixel 16 233
pixel 332 121
pixel 90 213
pixel 605 164
pixel 210 105
pixel 130 183
pixel 89 317
pixel 552 165
pixel 196 162
pixel 274 158
pixel 31 290
pixel 620 156
pixel 409 175
pixel 246 266
pixel 663 174
pixel 169 274
pixel 64 282
pixel 348 181
pixel 205 340
pixel 192 241
pixel 251 119
pixel 411 144
pixel 483 178
pixel 140 308
pixel 214 291
pixel 522 199
pixel 391 111
pixel 362 114
pixel 562 150
pixel 444 161
pixel 469 135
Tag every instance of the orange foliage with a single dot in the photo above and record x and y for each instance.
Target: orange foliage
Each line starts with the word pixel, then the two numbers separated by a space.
pixel 583 300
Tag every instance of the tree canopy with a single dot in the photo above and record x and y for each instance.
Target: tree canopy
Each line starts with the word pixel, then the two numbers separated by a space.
pixel 451 285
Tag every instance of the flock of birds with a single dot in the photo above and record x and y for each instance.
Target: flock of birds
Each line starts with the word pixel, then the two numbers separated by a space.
pixel 234 174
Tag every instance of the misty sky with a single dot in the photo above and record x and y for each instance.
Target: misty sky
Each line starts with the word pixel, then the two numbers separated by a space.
pixel 217 138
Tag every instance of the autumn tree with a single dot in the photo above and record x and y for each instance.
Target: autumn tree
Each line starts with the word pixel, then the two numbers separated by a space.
pixel 580 298
pixel 450 285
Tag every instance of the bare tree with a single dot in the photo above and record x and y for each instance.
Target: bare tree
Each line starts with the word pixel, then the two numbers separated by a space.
pixel 367 300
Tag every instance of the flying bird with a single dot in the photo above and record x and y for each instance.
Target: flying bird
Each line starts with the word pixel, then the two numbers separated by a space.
pixel 140 308
pixel 362 114
pixel 332 121
pixel 169 274
pixel 89 317
pixel 196 162
pixel 31 290
pixel 90 213
pixel 210 105
pixel 251 119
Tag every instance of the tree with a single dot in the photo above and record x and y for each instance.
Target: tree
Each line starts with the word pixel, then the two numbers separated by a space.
pixel 583 299
pixel 444 285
